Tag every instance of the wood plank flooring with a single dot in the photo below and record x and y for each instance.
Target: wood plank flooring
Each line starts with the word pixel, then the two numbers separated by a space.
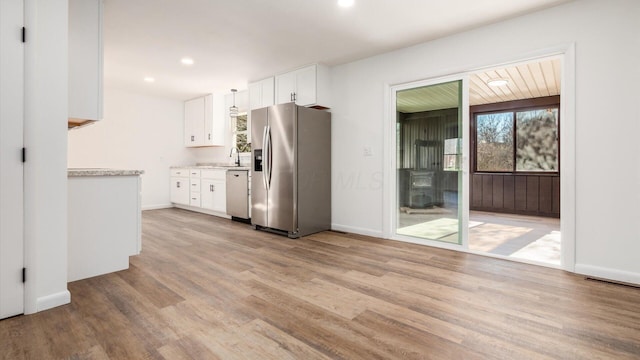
pixel 209 288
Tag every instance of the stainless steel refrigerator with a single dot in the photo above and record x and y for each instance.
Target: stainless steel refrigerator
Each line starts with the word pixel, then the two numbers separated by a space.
pixel 291 170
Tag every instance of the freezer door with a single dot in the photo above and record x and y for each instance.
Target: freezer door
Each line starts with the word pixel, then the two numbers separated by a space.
pixel 282 146
pixel 259 204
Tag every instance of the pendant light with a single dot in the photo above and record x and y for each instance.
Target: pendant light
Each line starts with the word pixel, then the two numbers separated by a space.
pixel 233 111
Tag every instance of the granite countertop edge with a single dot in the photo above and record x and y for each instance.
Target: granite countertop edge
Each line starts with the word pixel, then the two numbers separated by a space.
pixel 103 172
pixel 212 167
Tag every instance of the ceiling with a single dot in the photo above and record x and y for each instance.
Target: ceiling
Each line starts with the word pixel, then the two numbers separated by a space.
pixel 524 81
pixel 234 42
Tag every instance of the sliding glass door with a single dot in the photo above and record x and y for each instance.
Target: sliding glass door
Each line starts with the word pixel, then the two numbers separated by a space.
pixel 428 161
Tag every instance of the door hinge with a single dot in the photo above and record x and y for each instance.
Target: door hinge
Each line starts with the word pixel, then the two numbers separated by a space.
pixel 24 154
pixel 24 34
pixel 24 275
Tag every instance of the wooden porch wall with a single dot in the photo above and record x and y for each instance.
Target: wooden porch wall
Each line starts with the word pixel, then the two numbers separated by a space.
pixel 517 194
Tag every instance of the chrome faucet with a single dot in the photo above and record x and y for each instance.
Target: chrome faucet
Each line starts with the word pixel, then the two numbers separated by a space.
pixel 237 153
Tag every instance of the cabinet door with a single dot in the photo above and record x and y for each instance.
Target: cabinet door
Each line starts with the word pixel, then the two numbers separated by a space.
pixel 214 122
pixel 180 190
pixel 85 59
pixel 305 93
pixel 261 94
pixel 219 196
pixel 194 113
pixel 213 196
pixel 268 90
pixel 285 87
pixel 206 193
pixel 255 95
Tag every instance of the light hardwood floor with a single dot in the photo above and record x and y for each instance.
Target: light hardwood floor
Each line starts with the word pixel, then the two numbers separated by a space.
pixel 209 288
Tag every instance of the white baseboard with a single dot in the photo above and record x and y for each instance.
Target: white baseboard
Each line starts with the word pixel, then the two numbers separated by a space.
pixel 609 274
pixel 356 230
pixel 156 207
pixel 53 300
pixel 202 210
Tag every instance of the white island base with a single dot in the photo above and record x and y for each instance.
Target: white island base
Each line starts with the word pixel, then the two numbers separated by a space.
pixel 104 221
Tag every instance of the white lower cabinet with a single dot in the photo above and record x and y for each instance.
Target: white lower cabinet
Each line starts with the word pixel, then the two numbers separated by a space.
pixel 214 195
pixel 214 190
pixel 200 190
pixel 180 186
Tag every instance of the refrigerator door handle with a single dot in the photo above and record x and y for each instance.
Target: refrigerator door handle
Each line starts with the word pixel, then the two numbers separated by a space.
pixel 268 157
pixel 265 156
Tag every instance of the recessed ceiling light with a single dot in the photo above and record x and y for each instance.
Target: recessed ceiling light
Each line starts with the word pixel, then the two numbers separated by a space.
pixel 149 79
pixel 186 61
pixel 345 3
pixel 497 82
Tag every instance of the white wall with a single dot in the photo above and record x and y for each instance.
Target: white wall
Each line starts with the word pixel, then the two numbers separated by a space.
pixel 141 132
pixel 45 137
pixel 607 120
pixel 138 132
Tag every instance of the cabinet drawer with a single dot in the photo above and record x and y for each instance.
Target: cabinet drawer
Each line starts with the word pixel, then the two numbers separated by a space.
pixel 194 173
pixel 194 199
pixel 179 172
pixel 214 174
pixel 195 184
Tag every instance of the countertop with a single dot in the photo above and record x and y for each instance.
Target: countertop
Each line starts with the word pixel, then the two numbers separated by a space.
pixel 73 172
pixel 213 167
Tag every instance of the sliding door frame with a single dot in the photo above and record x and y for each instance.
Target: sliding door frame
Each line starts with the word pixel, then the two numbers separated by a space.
pixel 566 53
pixel 390 201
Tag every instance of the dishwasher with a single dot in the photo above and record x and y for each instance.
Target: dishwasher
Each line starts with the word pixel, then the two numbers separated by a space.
pixel 238 194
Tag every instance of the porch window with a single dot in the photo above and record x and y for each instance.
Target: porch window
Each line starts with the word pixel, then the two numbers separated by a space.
pixel 522 140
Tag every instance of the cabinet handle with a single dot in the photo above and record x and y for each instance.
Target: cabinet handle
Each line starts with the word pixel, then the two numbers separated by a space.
pixel 178 184
pixel 211 188
pixel 209 136
pixel 295 96
pixel 291 96
pixel 192 137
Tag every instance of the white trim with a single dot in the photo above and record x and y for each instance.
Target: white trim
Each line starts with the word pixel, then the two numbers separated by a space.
pixel 388 162
pixel 607 273
pixel 53 300
pixel 156 207
pixel 202 210
pixel 568 152
pixel 466 174
pixel 427 242
pixel 356 230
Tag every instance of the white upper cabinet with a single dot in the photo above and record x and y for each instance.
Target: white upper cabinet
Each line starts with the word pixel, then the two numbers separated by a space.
pixel 85 60
pixel 308 86
pixel 261 93
pixel 214 120
pixel 204 121
pixel 194 117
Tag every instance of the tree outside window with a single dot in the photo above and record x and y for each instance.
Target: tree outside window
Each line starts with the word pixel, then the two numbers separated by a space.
pixel 240 131
pixel 494 142
pixel 533 147
pixel 537 140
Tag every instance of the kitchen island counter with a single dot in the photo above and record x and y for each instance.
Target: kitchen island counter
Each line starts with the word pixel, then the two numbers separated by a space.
pixel 104 207
pixel 73 172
